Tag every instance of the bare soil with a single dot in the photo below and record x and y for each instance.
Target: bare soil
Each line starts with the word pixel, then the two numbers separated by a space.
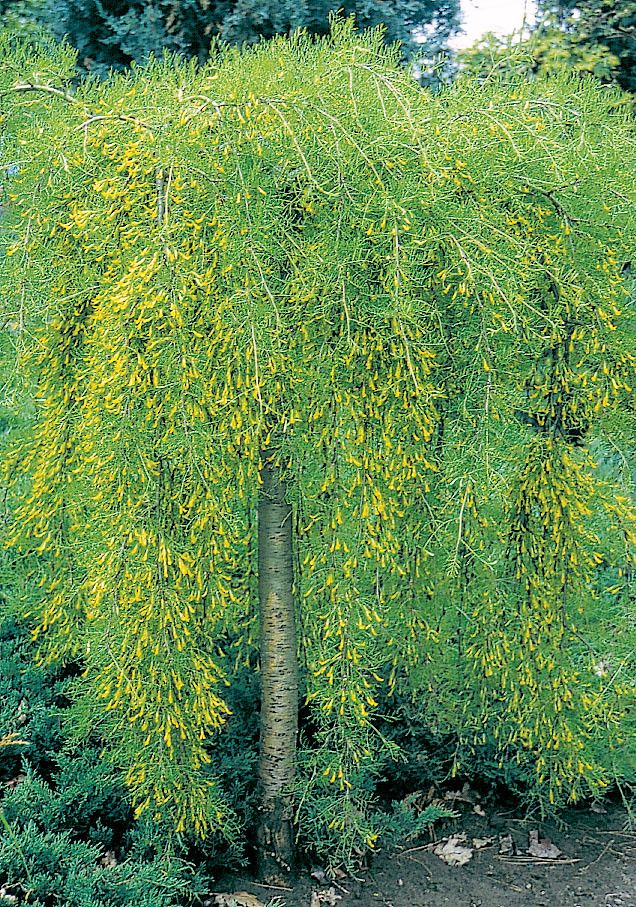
pixel 596 868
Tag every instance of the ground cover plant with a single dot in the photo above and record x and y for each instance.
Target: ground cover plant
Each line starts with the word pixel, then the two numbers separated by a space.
pixel 331 378
pixel 68 832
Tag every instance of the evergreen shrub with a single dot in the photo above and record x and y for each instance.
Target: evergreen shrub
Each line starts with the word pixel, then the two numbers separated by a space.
pixel 67 833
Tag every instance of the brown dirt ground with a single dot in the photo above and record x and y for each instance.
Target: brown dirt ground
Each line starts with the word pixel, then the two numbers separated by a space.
pixel 597 869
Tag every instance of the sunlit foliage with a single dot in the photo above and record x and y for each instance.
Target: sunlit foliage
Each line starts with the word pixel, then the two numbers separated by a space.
pixel 592 37
pixel 597 36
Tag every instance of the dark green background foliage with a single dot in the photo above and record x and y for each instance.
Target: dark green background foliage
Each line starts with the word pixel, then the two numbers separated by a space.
pixel 19 15
pixel 115 32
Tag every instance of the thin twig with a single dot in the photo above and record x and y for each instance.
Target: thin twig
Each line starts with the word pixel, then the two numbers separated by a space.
pixel 404 853
pixel 622 834
pixel 607 847
pixel 536 861
pixel 46 89
pixel 24 87
pixel 120 117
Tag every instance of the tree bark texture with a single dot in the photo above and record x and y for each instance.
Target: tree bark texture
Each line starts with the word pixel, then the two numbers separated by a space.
pixel 279 676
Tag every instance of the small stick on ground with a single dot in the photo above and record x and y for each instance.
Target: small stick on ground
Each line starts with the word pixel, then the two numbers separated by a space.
pixel 622 834
pixel 420 864
pixel 607 847
pixel 403 853
pixel 533 861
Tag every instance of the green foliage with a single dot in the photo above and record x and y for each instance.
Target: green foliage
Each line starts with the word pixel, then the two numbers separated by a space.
pixel 20 16
pixel 27 694
pixel 408 820
pixel 111 33
pixel 66 829
pixel 595 37
pixel 44 865
pixel 421 303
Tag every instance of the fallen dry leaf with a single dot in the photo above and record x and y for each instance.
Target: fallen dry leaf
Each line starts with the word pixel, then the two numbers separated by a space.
pixel 507 847
pixel 465 795
pixel 542 848
pixel 13 782
pixel 598 808
pixel 109 859
pixel 238 899
pixel 601 669
pixel 329 897
pixel 21 717
pixel 454 851
pixel 480 843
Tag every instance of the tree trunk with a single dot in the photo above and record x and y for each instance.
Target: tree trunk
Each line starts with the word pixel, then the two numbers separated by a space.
pixel 279 676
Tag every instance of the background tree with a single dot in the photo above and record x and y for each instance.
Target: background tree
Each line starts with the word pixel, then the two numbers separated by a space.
pixel 20 15
pixel 111 33
pixel 291 281
pixel 597 37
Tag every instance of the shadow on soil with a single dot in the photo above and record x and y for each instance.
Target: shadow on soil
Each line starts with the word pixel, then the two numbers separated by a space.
pixel 595 867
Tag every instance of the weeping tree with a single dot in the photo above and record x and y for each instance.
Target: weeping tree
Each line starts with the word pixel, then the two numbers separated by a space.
pixel 317 359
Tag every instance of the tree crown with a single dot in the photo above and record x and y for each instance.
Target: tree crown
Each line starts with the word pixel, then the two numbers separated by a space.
pixel 417 303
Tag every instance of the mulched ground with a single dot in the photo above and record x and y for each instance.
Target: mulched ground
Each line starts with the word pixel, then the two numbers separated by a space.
pixel 596 867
